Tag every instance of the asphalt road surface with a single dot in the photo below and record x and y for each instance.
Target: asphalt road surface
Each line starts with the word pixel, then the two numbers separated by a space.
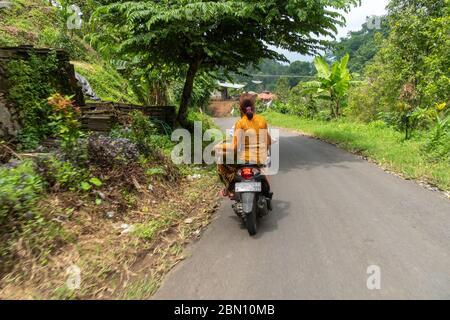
pixel 334 216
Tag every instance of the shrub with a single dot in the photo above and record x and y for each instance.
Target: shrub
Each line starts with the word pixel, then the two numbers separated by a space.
pixel 377 124
pixel 72 45
pixel 32 82
pixel 280 107
pixel 60 174
pixel 144 133
pixel 438 145
pixel 149 137
pixel 141 127
pixel 363 104
pixel 66 126
pixel 207 122
pixel 20 189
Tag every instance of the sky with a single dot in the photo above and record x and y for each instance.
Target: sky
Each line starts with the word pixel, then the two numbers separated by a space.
pixel 355 19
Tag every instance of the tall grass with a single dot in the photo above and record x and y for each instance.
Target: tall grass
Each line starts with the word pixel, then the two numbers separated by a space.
pixel 377 141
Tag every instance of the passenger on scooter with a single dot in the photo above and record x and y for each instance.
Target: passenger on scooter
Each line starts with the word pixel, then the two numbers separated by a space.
pixel 250 145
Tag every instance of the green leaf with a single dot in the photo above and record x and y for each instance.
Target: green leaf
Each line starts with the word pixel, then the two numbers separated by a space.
pixel 98 201
pixel 85 186
pixel 344 62
pixel 323 70
pixel 96 182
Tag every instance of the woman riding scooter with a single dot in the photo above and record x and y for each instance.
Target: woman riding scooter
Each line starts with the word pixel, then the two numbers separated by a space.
pixel 250 145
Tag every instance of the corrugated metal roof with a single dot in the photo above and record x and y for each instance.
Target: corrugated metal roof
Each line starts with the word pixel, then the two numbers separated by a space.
pixel 231 85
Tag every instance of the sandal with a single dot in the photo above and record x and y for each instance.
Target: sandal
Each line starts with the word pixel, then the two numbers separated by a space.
pixel 224 193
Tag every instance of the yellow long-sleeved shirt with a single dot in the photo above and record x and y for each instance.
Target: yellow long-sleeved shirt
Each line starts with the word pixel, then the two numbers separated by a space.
pixel 251 140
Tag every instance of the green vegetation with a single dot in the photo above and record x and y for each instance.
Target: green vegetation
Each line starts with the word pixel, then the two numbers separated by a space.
pixel 63 203
pixel 400 114
pixel 148 135
pixel 148 230
pixel 204 36
pixel 62 198
pixel 21 188
pixel 106 82
pixel 361 45
pixel 409 75
pixel 377 141
pixel 37 23
pixel 50 204
pixel 65 125
pixel 32 83
pixel 60 175
pixel 332 85
pixel 282 89
pixel 141 289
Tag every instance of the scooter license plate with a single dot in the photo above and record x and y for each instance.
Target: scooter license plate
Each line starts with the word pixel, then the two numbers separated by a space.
pixel 248 187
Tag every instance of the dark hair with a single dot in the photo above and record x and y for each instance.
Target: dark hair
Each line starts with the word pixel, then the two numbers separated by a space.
pixel 247 100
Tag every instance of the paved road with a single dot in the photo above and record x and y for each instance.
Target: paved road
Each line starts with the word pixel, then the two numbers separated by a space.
pixel 335 216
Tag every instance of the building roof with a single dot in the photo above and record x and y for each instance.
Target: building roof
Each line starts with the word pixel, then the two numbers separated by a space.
pixel 231 85
pixel 266 96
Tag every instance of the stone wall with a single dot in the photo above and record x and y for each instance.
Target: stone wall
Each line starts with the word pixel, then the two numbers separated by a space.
pixel 65 78
pixel 9 120
pixel 102 116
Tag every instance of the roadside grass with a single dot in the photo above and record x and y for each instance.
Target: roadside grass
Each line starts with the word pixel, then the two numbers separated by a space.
pixel 167 235
pixel 377 142
pixel 141 289
pixel 148 230
pixel 116 264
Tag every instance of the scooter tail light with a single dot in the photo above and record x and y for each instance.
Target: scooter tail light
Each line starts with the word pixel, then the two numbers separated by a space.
pixel 247 173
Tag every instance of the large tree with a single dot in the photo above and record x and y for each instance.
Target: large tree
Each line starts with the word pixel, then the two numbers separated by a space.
pixel 198 35
pixel 414 57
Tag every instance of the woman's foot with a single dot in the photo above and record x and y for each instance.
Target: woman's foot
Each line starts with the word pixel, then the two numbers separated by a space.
pixel 227 194
pixel 224 193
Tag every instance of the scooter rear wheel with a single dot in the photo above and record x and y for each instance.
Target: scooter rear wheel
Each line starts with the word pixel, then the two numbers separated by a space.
pixel 251 221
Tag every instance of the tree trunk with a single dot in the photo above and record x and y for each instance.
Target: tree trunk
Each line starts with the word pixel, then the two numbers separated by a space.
pixel 334 106
pixel 187 94
pixel 338 108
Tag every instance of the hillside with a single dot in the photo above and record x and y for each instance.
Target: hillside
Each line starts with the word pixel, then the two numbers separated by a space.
pixel 63 203
pixel 37 23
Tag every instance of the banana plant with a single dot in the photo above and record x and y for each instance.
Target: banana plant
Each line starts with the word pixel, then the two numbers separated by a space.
pixel 332 83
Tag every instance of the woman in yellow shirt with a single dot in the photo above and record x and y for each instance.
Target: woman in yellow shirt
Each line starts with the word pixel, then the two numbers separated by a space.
pixel 251 141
